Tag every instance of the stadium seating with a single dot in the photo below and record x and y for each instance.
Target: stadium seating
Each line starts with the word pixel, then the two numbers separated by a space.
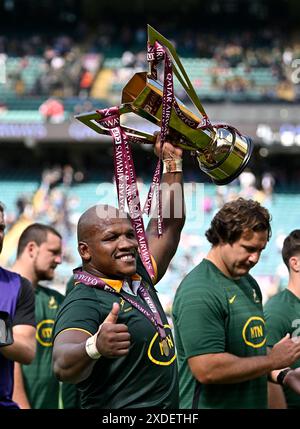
pixel 193 245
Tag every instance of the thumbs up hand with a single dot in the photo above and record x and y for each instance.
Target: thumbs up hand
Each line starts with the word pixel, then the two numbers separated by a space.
pixel 113 315
pixel 113 338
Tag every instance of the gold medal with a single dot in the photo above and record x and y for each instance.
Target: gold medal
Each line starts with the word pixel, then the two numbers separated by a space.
pixel 165 347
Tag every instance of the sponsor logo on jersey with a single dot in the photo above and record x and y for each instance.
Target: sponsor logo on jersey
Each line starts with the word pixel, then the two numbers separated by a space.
pixel 158 352
pixel 254 332
pixel 44 332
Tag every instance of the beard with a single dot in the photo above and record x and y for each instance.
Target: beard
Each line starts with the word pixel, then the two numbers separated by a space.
pixel 42 273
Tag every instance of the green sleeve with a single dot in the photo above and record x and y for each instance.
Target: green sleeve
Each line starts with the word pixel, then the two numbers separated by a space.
pixel 70 285
pixel 201 324
pixel 80 311
pixel 70 396
pixel 277 322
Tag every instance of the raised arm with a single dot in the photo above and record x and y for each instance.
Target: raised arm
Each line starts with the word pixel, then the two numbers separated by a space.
pixel 163 249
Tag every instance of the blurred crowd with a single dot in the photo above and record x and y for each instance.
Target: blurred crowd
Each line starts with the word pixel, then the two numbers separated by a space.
pixel 53 203
pixel 70 64
pixel 65 69
pixel 57 203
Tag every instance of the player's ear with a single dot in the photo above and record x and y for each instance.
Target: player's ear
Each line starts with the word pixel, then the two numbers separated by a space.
pixel 84 251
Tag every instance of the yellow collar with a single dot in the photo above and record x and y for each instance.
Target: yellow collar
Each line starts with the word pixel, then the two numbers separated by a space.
pixel 117 284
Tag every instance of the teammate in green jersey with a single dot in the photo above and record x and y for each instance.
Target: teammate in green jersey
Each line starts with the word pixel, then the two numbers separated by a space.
pixel 113 340
pixel 38 254
pixel 282 313
pixel 218 318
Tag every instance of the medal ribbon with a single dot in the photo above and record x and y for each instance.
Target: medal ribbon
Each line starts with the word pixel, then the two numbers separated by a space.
pixel 126 181
pixel 153 315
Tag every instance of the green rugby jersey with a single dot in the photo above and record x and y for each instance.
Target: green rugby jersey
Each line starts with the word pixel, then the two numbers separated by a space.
pixel 70 285
pixel 144 378
pixel 42 387
pixel 282 313
pixel 215 314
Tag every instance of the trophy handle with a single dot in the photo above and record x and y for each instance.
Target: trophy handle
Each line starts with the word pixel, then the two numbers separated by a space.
pixel 178 68
pixel 90 119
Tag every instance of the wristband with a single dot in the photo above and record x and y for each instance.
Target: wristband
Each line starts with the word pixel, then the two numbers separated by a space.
pixel 282 374
pixel 91 347
pixel 172 165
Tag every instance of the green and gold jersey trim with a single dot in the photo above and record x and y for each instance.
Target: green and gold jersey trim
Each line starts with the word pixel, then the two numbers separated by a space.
pixel 76 329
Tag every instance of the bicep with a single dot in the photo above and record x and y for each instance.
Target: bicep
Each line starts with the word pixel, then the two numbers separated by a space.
pixel 70 360
pixel 71 336
pixel 66 339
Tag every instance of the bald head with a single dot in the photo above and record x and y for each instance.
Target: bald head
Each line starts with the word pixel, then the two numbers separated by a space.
pixel 97 218
pixel 107 243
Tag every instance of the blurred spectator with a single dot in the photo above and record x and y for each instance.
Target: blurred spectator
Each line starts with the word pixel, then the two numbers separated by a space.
pixel 207 204
pixel 85 84
pixel 128 59
pixel 53 111
pixel 267 183
pixel 3 107
pixel 247 182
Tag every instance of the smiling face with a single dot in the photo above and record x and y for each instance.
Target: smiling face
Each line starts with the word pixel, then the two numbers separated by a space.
pixel 238 258
pixel 111 250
